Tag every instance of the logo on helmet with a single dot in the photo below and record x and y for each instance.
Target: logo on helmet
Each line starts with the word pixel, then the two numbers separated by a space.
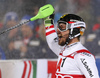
pixel 64 16
pixel 79 24
pixel 82 31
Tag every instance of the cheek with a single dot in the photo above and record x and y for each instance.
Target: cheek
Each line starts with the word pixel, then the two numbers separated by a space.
pixel 66 33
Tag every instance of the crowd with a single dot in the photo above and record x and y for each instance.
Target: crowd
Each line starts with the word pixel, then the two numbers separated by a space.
pixel 28 41
pixel 25 41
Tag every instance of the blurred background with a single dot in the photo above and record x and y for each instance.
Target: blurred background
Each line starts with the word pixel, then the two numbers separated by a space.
pixel 28 41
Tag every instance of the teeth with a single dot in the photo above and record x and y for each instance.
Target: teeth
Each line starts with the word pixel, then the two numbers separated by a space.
pixel 59 36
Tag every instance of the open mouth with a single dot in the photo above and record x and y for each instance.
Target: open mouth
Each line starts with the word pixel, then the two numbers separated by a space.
pixel 59 37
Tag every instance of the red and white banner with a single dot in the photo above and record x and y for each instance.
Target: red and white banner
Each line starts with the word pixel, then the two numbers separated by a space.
pixel 46 68
pixel 16 69
pixel 40 68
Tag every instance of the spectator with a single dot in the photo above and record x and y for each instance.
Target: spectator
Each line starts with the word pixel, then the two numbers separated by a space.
pixel 34 47
pixel 10 19
pixel 30 42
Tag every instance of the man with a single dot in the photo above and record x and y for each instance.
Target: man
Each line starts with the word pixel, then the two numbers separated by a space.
pixel 7 41
pixel 74 60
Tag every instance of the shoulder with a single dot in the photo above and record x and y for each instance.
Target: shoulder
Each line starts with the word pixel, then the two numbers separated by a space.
pixel 84 56
pixel 85 60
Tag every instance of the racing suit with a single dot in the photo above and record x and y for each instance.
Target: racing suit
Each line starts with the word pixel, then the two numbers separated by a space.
pixel 74 61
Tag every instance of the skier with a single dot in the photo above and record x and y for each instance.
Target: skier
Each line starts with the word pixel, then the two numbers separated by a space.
pixel 74 60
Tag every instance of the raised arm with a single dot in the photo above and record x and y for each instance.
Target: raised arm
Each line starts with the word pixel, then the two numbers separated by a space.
pixel 51 35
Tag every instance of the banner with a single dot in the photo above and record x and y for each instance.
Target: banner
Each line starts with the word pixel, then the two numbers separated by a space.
pixel 40 68
pixel 51 68
pixel 16 69
pixel 34 63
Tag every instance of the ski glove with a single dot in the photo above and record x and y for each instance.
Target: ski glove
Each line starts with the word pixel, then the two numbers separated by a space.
pixel 48 21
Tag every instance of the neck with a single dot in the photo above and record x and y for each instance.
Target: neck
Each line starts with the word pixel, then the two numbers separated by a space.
pixel 73 41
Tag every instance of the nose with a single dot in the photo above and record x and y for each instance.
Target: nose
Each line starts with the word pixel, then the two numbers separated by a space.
pixel 58 31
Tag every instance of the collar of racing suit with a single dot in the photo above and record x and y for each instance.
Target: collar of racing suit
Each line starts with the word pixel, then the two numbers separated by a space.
pixel 68 46
pixel 69 49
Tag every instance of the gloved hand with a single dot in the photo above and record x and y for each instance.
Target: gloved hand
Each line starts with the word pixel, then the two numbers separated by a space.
pixel 48 21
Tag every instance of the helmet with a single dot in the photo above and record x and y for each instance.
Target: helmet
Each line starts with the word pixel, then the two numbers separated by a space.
pixel 74 23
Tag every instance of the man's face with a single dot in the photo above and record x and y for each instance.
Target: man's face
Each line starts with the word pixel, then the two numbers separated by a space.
pixel 62 35
pixel 11 23
pixel 26 30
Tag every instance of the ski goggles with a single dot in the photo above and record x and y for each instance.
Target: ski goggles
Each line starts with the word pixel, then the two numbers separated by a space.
pixel 62 26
